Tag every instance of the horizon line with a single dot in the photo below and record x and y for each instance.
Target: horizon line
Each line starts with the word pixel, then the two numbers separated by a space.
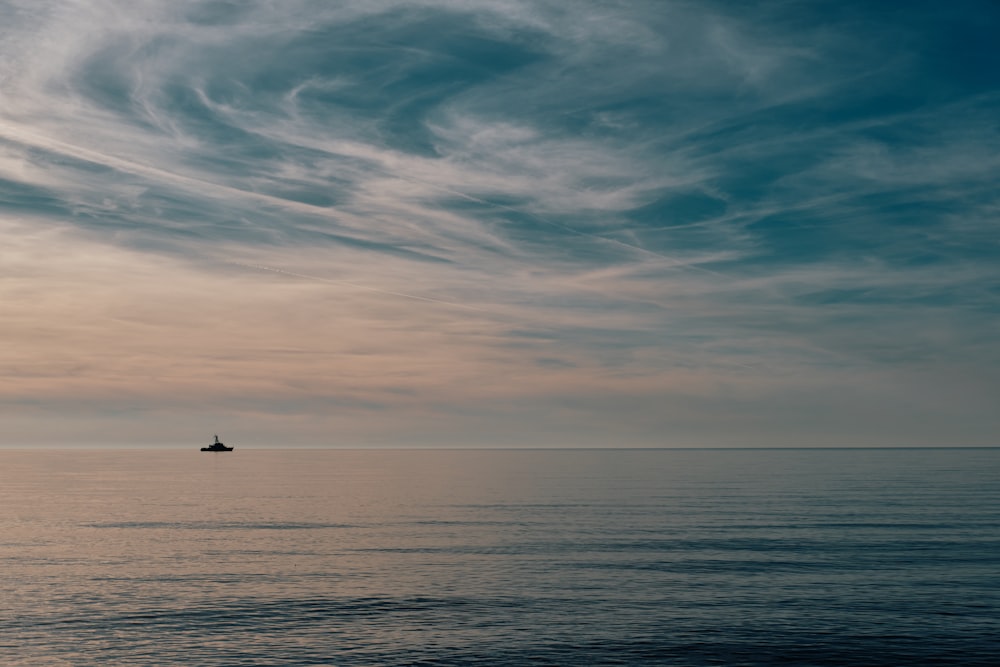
pixel 63 447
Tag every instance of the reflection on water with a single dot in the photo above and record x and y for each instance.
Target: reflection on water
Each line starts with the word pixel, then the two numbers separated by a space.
pixel 499 557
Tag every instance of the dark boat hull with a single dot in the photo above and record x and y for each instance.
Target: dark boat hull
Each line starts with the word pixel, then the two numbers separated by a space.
pixel 217 446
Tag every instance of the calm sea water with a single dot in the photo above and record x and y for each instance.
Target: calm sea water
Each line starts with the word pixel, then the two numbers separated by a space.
pixel 637 557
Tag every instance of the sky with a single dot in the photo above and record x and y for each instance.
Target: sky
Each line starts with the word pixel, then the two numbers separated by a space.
pixel 499 223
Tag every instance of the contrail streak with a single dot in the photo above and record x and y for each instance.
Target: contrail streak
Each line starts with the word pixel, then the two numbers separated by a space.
pixel 351 283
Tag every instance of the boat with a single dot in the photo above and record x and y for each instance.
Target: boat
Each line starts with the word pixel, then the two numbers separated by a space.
pixel 217 447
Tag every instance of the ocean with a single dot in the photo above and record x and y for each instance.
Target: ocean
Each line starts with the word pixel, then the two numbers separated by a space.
pixel 500 557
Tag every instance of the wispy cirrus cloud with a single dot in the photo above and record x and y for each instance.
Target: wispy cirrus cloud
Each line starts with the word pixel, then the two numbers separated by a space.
pixel 451 217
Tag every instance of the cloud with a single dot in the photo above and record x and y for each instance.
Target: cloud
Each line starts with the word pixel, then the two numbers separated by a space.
pixel 600 217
